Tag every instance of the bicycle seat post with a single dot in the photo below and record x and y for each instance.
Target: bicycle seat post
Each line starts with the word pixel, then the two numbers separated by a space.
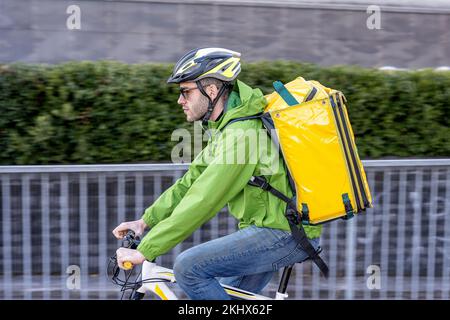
pixel 284 281
pixel 281 294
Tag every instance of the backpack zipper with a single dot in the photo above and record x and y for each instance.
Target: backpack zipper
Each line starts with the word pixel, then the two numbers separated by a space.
pixel 346 153
pixel 353 154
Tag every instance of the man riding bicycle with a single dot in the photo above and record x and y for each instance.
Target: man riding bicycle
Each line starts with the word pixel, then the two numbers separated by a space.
pixel 249 257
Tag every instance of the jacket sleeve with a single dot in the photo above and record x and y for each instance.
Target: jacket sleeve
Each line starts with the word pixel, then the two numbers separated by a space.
pixel 169 199
pixel 217 184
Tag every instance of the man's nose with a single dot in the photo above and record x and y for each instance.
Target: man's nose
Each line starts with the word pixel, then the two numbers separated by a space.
pixel 181 99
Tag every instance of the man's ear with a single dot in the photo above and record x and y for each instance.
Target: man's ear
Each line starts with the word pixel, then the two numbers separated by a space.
pixel 212 91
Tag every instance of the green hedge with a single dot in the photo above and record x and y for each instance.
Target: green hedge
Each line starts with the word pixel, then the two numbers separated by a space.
pixel 111 112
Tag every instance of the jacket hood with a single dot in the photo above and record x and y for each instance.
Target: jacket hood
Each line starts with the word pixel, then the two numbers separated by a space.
pixel 242 102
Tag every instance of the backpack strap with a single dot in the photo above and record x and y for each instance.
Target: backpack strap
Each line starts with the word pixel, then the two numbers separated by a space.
pixel 256 116
pixel 284 93
pixel 294 220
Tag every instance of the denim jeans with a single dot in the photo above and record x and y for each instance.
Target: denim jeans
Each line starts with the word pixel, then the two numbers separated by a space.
pixel 246 259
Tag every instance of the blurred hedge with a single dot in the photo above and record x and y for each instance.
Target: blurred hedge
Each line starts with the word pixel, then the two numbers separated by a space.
pixel 110 112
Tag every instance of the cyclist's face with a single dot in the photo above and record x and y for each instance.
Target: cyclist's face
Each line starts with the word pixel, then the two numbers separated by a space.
pixel 193 102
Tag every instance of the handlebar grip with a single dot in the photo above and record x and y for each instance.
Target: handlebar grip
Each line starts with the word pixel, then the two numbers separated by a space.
pixel 127 265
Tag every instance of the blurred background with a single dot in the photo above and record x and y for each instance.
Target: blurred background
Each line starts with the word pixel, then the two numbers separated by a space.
pixel 87 119
pixel 411 34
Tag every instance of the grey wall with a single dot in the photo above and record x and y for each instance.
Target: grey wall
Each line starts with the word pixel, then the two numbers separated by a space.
pixel 139 31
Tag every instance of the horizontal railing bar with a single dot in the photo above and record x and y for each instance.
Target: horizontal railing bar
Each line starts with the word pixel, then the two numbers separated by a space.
pixel 184 166
pixel 407 163
pixel 94 168
pixel 421 7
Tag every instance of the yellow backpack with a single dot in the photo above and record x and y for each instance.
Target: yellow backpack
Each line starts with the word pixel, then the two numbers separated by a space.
pixel 316 141
pixel 318 147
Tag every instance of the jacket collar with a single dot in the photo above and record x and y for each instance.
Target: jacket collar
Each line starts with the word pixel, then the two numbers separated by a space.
pixel 243 101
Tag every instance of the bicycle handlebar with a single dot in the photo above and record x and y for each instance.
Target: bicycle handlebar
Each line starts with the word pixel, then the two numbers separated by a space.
pixel 130 241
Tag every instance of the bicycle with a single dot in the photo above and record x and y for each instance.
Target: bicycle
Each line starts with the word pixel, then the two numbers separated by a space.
pixel 153 278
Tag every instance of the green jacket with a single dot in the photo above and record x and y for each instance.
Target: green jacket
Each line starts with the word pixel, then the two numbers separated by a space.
pixel 212 182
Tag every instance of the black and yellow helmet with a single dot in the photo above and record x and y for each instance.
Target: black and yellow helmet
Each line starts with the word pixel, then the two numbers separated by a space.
pixel 219 63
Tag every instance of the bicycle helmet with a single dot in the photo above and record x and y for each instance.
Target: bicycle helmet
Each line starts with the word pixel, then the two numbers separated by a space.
pixel 197 64
pixel 219 63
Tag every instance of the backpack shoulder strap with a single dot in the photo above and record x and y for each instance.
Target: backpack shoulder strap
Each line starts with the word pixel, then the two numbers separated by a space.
pixel 294 220
pixel 256 116
pixel 284 93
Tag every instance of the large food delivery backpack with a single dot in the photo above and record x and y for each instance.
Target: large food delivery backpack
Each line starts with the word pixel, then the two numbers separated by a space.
pixel 310 125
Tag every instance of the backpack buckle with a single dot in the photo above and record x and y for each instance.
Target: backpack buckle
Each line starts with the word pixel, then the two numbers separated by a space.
pixel 259 181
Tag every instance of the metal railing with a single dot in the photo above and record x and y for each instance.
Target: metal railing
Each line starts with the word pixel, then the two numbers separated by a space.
pixel 57 220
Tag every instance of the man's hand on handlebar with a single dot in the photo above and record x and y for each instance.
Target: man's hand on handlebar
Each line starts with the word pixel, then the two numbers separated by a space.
pixel 138 226
pixel 129 255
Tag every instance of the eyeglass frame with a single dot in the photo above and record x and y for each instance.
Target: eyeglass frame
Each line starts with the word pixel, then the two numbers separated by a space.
pixel 184 90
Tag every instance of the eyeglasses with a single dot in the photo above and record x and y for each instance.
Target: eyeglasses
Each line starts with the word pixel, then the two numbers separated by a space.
pixel 184 91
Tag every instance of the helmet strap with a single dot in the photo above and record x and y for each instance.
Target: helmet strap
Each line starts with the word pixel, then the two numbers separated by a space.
pixel 211 103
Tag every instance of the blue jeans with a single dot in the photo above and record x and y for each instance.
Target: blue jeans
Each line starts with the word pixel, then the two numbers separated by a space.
pixel 246 259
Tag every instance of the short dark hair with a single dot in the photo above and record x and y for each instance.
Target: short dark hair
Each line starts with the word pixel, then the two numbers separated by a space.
pixel 218 83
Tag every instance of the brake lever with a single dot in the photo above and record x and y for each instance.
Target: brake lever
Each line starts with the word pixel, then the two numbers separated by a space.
pixel 130 240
